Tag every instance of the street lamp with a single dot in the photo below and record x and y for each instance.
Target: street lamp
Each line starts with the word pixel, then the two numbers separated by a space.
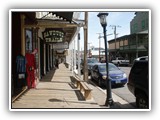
pixel 103 21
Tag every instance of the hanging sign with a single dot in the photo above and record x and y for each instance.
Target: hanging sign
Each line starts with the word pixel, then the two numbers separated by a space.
pixel 53 35
pixel 60 45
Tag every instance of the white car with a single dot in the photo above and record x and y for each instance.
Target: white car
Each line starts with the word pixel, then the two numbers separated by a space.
pixel 120 61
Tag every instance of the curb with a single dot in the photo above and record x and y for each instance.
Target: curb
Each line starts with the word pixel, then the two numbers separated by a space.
pixel 119 103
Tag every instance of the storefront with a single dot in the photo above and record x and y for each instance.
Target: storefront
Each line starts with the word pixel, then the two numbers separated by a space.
pixel 37 48
pixel 129 46
pixel 24 41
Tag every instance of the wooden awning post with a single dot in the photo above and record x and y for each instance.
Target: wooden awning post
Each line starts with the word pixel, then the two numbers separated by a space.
pixel 85 72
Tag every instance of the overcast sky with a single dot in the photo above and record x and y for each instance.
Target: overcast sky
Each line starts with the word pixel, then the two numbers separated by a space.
pixel 121 19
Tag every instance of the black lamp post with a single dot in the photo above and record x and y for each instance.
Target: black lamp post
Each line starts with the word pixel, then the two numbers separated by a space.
pixel 103 21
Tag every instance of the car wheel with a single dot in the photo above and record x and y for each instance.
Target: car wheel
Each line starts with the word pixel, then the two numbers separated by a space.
pixel 142 101
pixel 99 82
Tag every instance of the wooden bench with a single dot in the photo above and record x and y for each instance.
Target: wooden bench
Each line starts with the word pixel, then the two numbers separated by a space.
pixel 84 88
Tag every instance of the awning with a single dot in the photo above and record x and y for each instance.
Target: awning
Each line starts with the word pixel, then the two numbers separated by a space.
pixel 65 15
pixel 56 16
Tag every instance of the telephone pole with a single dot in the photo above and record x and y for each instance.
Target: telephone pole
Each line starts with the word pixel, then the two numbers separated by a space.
pixel 99 37
pixel 115 35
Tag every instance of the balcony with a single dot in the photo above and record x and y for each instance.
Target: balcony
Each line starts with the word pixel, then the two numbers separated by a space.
pixel 140 47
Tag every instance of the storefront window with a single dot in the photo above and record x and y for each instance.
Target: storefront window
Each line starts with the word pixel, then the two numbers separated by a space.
pixel 28 37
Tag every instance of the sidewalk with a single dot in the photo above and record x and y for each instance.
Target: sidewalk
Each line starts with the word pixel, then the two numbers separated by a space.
pixel 56 90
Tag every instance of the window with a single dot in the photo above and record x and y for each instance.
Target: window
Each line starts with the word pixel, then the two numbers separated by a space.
pixel 92 60
pixel 29 40
pixel 132 29
pixel 120 58
pixel 143 24
pixel 135 27
pixel 147 23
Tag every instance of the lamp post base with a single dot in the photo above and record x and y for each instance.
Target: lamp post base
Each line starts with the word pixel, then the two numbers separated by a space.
pixel 109 102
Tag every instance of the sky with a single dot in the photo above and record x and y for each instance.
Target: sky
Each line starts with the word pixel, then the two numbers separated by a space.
pixel 119 19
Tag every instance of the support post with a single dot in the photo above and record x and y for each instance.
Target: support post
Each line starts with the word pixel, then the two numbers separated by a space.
pixel 85 72
pixel 23 35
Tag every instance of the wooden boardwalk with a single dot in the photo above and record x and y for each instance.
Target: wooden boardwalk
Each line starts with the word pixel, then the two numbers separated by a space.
pixel 55 90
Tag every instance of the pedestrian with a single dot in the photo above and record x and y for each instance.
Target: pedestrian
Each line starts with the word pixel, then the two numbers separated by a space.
pixel 57 63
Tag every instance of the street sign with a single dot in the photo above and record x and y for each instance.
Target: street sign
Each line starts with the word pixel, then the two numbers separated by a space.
pixel 60 45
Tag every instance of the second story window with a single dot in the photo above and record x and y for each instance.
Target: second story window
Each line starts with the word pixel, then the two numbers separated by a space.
pixel 135 27
pixel 143 24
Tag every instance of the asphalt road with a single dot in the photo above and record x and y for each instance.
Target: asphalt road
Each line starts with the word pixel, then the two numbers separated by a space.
pixel 123 91
pixel 125 94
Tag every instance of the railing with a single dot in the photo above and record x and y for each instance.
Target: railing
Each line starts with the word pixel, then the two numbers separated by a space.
pixel 133 47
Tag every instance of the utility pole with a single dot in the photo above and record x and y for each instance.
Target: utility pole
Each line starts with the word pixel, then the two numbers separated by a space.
pixel 99 37
pixel 115 35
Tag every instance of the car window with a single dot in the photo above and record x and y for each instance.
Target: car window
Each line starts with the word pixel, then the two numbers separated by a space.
pixel 94 67
pixel 120 58
pixel 102 68
pixel 92 60
pixel 112 67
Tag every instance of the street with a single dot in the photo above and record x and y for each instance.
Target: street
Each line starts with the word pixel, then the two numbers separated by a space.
pixel 122 91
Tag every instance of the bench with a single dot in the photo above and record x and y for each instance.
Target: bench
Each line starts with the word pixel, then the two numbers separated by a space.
pixel 84 88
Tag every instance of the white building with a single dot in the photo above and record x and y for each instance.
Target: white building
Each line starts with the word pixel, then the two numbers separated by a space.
pixel 98 53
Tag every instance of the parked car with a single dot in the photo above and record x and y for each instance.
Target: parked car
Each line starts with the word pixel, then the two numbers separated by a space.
pixel 91 62
pixel 116 76
pixel 120 61
pixel 138 83
pixel 142 58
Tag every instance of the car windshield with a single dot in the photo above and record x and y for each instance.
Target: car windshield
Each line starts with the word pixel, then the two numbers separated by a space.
pixel 102 68
pixel 92 60
pixel 120 58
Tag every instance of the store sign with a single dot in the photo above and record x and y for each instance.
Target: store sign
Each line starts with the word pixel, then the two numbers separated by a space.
pixel 53 35
pixel 60 45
